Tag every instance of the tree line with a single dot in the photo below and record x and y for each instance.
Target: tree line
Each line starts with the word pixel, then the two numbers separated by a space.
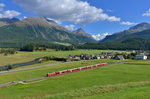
pixel 130 44
pixel 35 47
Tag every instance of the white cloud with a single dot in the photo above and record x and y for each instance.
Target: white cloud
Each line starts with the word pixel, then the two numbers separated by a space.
pixel 24 17
pixel 2 5
pixel 1 9
pixel 147 13
pixel 127 23
pixel 113 18
pixel 9 14
pixel 99 37
pixel 76 11
pixel 108 10
pixel 58 22
pixel 70 27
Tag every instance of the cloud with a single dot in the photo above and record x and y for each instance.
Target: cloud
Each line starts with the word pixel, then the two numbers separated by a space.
pixel 127 23
pixel 24 17
pixel 1 9
pixel 76 11
pixel 70 27
pixel 2 5
pixel 113 18
pixel 9 14
pixel 147 13
pixel 108 10
pixel 99 37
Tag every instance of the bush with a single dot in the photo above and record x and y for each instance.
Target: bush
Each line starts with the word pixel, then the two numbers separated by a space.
pixel 10 67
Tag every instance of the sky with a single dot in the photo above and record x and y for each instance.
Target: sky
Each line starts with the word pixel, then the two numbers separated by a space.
pixel 97 17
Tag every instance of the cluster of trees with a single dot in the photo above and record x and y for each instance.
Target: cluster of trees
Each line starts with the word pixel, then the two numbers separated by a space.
pixel 9 67
pixel 7 51
pixel 48 58
pixel 34 47
pixel 129 44
pixel 127 56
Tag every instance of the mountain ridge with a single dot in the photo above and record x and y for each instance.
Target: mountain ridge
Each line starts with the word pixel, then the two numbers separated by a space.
pixel 37 29
pixel 135 29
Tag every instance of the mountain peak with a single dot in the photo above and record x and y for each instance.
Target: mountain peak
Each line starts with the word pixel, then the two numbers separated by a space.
pixel 33 21
pixel 135 29
pixel 80 31
pixel 141 26
pixel 52 22
pixel 9 20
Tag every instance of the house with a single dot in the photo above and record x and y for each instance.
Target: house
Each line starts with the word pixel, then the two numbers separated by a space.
pixel 119 57
pixel 85 57
pixel 141 57
pixel 70 56
pixel 96 56
pixel 77 57
pixel 102 56
pixel 108 54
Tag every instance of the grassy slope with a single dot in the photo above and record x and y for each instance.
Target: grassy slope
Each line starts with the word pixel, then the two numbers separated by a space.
pixel 114 74
pixel 29 56
pixel 129 93
pixel 16 58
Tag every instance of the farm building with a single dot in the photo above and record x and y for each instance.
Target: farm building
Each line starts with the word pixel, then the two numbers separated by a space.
pixel 119 57
pixel 141 57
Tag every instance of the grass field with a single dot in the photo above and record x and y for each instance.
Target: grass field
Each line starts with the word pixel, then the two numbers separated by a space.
pixel 41 72
pixel 16 58
pixel 29 56
pixel 109 82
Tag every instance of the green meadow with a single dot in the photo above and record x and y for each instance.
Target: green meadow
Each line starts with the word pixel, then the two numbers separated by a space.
pixel 21 57
pixel 41 72
pixel 116 81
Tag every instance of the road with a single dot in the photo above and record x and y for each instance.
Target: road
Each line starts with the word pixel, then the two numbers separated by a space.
pixel 30 68
pixel 1 72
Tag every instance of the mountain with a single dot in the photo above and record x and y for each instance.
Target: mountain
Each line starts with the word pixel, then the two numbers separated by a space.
pixel 2 23
pixel 81 32
pixel 9 20
pixel 135 29
pixel 145 34
pixel 36 29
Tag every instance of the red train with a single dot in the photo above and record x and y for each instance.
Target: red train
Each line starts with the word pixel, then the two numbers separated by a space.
pixel 75 69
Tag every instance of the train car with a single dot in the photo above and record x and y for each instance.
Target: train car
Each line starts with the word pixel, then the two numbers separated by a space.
pixel 68 71
pixel 88 67
pixel 94 66
pixel 83 68
pixel 51 74
pixel 57 73
pixel 76 69
pixel 64 71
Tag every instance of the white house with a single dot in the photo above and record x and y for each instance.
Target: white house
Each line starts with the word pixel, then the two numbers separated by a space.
pixel 141 57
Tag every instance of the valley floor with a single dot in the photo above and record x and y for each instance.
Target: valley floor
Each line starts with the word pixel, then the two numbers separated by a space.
pixel 130 80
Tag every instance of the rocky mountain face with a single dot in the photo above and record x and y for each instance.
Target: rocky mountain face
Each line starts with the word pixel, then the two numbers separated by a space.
pixel 133 30
pixel 2 23
pixel 36 29
pixel 9 20
pixel 81 32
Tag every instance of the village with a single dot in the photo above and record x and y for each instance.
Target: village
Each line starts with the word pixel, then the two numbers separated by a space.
pixel 111 55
